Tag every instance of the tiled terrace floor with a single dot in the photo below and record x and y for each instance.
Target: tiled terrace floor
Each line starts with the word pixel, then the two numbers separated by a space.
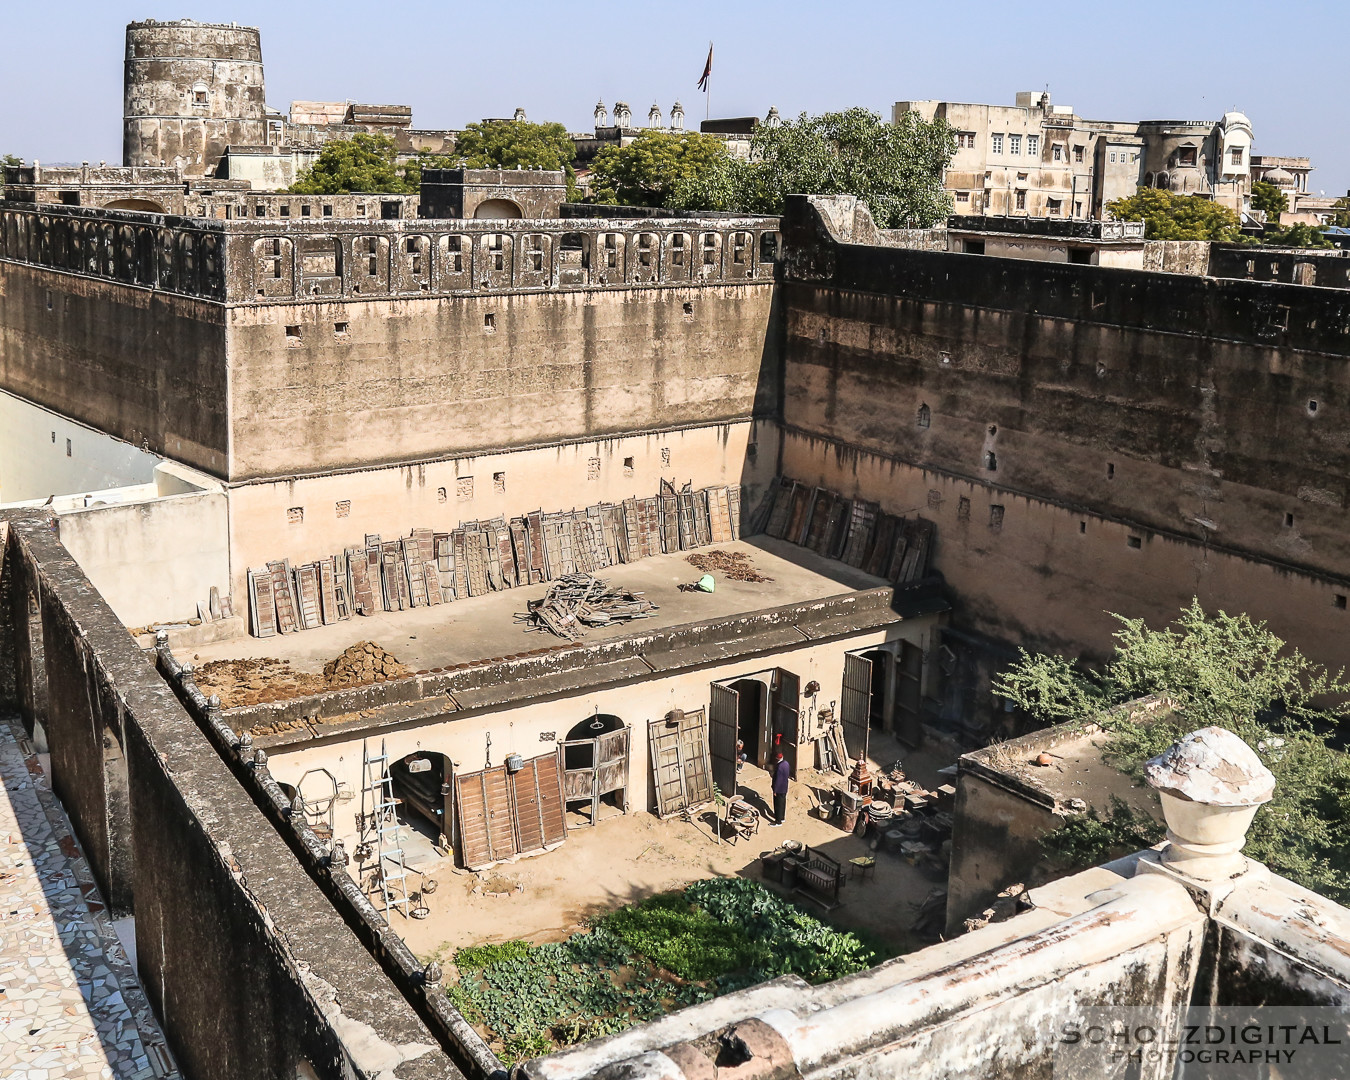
pixel 70 1003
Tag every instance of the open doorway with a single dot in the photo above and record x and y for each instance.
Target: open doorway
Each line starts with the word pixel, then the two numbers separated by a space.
pixel 751 728
pixel 595 769
pixel 422 782
pixel 877 716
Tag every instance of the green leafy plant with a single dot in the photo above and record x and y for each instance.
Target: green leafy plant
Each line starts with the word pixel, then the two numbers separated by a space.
pixel 1297 235
pixel 639 962
pixel 364 163
pixel 896 169
pixel 1229 671
pixel 1269 198
pixel 1091 838
pixel 1167 216
pixel 647 170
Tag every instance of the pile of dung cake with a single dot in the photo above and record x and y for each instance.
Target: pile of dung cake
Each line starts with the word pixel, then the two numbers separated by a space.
pixel 365 662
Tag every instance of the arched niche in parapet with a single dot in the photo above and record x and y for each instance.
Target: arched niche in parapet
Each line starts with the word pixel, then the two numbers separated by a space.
pixel 493 260
pixel 414 263
pixel 144 206
pixel 574 264
pixel 146 269
pixel 453 263
pixel 124 252
pixel 58 240
pixel 741 254
pixel 168 265
pixel 212 281
pixel 44 240
pixel 645 264
pixel 274 266
pixel 498 208
pixel 370 265
pixel 320 260
pixel 677 256
pixel 608 264
pixel 536 261
pixel 770 244
pixel 709 256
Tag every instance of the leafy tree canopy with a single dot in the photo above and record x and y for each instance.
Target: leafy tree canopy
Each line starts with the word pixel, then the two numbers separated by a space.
pixel 11 159
pixel 364 163
pixel 1342 218
pixel 1271 199
pixel 1177 217
pixel 1232 672
pixel 515 145
pixel 1296 235
pixel 647 170
pixel 896 169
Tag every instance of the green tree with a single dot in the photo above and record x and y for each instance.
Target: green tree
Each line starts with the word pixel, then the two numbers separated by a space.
pixel 1342 218
pixel 363 163
pixel 1232 672
pixel 11 159
pixel 1297 235
pixel 896 169
pixel 647 170
pixel 1177 217
pixel 1271 199
pixel 515 145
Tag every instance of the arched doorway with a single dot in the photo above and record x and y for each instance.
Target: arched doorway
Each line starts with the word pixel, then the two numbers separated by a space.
pixel 422 781
pixel 497 208
pixel 595 769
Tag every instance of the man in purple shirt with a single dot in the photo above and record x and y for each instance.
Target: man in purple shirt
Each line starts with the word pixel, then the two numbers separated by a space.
pixel 782 771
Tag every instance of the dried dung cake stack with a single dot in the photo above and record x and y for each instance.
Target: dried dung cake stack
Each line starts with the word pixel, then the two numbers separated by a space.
pixel 364 662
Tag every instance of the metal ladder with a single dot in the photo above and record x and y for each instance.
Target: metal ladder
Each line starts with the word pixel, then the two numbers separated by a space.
pixel 381 826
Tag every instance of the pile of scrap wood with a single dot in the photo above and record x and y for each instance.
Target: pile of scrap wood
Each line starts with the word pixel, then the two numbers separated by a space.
pixel 429 567
pixel 580 600
pixel 732 565
pixel 853 531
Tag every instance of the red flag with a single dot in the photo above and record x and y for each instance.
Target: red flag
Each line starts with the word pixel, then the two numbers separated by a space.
pixel 707 70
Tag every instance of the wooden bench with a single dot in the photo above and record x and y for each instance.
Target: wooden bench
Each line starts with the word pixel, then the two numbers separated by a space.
pixel 819 878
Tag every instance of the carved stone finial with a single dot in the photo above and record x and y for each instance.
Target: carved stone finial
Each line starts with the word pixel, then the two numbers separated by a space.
pixel 1211 784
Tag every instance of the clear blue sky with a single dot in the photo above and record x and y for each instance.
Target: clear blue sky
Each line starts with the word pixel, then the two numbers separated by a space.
pixel 1284 64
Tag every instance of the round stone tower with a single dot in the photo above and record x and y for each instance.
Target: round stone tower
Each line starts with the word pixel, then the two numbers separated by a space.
pixel 191 89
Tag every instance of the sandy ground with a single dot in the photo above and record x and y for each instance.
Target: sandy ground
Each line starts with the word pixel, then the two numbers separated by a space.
pixel 628 857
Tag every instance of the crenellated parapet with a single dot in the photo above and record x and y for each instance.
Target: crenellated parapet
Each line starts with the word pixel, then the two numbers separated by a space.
pixel 272 260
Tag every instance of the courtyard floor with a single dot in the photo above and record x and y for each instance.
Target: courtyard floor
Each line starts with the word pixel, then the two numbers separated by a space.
pixel 627 857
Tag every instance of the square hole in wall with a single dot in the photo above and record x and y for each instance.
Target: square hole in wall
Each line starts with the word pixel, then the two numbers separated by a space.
pixel 628 468
pixel 1135 541
pixel 304 210
pixel 688 309
pixel 1288 521
pixel 665 457
pixel 962 509
pixel 490 323
pixel 1312 406
pixel 327 210
pixel 440 495
pixel 995 516
pixel 1110 470
pixel 67 448
pixel 285 211
pixel 53 437
pixel 593 468
pixel 1339 600
pixel 934 499
pixel 295 515
pixel 341 328
pixel 499 483
pixel 1082 526
pixel 292 336
pixel 464 488
pixel 344 508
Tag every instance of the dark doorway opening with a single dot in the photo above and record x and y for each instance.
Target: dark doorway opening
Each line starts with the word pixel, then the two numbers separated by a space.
pixel 750 720
pixel 422 781
pixel 876 708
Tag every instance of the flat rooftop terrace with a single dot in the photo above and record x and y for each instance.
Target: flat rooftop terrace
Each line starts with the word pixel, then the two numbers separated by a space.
pixel 474 653
pixel 485 627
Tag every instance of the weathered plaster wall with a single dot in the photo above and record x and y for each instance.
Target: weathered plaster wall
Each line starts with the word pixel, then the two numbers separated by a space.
pixel 248 967
pixel 416 378
pixel 340 508
pixel 145 366
pixel 1047 575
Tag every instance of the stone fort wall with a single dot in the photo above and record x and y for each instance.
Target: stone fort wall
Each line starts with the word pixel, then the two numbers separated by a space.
pixel 1086 438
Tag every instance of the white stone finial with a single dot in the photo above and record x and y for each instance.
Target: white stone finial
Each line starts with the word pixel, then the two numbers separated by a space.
pixel 677 116
pixel 773 120
pixel 601 114
pixel 1211 784
pixel 623 115
pixel 654 116
pixel 519 116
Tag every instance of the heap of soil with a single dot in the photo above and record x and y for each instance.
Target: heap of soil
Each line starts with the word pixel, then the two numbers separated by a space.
pixel 252 682
pixel 365 662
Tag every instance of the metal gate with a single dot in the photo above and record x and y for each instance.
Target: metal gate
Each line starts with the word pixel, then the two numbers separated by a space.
pixel 855 706
pixel 723 722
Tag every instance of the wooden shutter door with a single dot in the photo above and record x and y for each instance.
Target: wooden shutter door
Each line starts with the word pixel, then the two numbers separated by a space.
pixel 694 759
pixel 908 697
pixel 855 706
pixel 667 778
pixel 786 700
pixel 723 718
pixel 527 813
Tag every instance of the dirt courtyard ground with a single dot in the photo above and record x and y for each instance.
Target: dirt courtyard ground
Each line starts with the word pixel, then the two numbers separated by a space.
pixel 628 857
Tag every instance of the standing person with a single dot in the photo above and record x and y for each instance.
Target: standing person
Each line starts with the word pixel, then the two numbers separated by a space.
pixel 782 771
